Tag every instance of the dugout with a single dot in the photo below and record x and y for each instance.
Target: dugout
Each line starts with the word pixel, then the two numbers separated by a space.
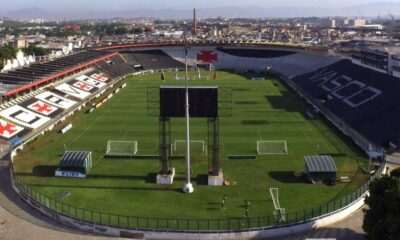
pixel 74 164
pixel 320 169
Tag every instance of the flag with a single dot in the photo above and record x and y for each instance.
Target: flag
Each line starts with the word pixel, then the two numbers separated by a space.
pixel 207 56
pixel 215 75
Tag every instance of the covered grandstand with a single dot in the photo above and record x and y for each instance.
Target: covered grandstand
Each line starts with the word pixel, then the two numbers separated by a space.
pixel 28 78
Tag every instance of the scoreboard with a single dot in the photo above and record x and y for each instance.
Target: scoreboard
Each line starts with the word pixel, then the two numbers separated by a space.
pixel 203 102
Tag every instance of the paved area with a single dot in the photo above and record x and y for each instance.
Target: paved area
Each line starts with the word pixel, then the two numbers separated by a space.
pixel 14 228
pixel 349 229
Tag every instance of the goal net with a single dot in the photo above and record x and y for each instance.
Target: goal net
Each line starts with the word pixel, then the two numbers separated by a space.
pixel 197 147
pixel 201 77
pixel 279 213
pixel 122 148
pixel 271 147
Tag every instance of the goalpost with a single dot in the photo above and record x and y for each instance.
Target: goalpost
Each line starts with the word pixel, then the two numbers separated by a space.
pixel 122 148
pixel 279 212
pixel 197 147
pixel 204 78
pixel 272 147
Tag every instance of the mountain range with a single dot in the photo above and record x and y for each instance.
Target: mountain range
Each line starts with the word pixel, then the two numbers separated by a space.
pixel 362 10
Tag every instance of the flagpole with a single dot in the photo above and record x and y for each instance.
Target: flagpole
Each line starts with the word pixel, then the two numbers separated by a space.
pixel 187 188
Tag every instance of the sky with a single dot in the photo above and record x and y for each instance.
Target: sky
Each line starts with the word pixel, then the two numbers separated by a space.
pixel 96 5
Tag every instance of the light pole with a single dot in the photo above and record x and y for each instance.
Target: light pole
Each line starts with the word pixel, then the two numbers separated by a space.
pixel 188 187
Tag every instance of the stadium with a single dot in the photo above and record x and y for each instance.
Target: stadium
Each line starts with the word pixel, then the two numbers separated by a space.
pixel 282 139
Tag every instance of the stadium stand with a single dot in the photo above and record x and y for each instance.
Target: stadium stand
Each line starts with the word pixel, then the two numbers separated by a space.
pixel 285 63
pixel 365 99
pixel 130 58
pixel 153 59
pixel 25 78
pixel 115 66
pixel 255 53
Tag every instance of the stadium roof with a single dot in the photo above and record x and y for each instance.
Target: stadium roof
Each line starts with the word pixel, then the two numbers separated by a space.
pixel 75 159
pixel 320 164
pixel 21 79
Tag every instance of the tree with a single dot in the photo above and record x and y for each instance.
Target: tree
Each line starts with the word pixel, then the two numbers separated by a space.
pixel 382 219
pixel 6 52
pixel 34 50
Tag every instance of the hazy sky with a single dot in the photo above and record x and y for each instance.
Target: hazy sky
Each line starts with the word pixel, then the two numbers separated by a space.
pixel 176 4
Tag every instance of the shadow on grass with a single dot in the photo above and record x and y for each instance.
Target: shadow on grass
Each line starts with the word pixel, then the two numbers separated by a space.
pixel 150 178
pixel 202 179
pixel 255 122
pixel 285 102
pixel 246 102
pixel 155 188
pixel 43 171
pixel 287 176
pixel 214 206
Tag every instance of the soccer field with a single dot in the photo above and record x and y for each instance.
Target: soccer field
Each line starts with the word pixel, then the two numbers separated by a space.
pixel 262 110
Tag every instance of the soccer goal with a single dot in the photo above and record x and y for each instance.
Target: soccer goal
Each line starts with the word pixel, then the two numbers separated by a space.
pixel 201 78
pixel 122 148
pixel 197 147
pixel 271 147
pixel 279 212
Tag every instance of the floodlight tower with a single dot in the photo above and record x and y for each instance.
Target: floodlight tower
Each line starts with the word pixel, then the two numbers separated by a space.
pixel 188 187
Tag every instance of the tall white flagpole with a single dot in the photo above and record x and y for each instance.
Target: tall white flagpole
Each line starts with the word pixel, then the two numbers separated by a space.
pixel 188 187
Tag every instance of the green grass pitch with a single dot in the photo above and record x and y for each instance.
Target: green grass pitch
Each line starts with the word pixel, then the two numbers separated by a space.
pixel 261 111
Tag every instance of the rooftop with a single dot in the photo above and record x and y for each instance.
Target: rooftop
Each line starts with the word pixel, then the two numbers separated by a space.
pixel 323 163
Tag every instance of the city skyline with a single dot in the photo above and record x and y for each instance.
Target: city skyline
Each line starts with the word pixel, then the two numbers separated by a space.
pixel 179 9
pixel 178 4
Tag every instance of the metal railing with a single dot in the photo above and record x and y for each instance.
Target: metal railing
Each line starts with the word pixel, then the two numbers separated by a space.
pixel 190 224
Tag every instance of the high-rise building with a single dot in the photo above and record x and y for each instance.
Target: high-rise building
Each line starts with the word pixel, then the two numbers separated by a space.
pixel 329 23
pixel 359 22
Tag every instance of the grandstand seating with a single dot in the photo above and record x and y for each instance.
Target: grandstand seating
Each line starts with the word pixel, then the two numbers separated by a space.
pixel 130 58
pixel 36 71
pixel 115 66
pixel 285 63
pixel 153 59
pixel 255 53
pixel 363 98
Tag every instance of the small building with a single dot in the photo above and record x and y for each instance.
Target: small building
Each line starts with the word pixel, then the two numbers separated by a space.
pixel 320 169
pixel 20 42
pixel 74 164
